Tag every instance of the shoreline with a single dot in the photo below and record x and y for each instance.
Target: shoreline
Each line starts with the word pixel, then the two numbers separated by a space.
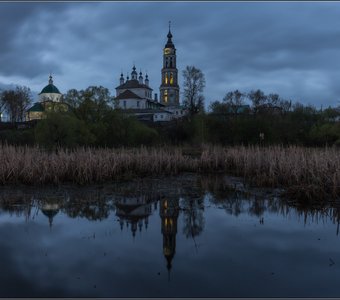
pixel 305 173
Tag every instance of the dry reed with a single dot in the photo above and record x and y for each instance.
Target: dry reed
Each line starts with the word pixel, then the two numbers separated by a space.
pixel 306 171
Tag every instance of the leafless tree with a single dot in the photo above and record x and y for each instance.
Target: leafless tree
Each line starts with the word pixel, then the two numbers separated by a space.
pixel 194 83
pixel 16 102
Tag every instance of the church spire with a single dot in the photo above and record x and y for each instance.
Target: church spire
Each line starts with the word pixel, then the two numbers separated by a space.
pixel 50 81
pixel 169 43
pixel 134 73
pixel 121 80
pixel 169 34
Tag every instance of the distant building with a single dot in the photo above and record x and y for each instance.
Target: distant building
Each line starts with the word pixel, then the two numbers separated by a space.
pixel 134 95
pixel 50 99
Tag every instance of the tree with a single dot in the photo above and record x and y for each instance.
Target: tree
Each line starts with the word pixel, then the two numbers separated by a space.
pixel 218 107
pixel 73 98
pixel 258 98
pixel 194 83
pixel 233 100
pixel 16 102
pixel 62 130
pixel 94 102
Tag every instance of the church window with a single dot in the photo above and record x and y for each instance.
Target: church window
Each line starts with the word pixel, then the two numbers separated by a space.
pixel 137 103
pixel 170 62
pixel 166 78
pixel 124 104
pixel 171 78
pixel 165 95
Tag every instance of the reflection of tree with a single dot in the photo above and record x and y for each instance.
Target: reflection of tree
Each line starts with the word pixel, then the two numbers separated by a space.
pixel 258 206
pixel 193 209
pixel 223 193
pixel 91 205
pixel 16 202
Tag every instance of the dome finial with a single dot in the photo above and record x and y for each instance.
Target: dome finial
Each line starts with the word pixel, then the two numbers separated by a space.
pixel 169 34
pixel 50 80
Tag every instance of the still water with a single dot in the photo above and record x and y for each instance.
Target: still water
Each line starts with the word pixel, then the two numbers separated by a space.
pixel 184 236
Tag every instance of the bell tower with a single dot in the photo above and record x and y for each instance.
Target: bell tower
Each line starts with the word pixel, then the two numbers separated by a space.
pixel 169 89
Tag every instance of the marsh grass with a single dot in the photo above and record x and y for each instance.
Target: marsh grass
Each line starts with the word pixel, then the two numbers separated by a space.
pixel 306 173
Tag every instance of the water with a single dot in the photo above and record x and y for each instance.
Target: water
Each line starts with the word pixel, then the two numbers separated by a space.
pixel 181 236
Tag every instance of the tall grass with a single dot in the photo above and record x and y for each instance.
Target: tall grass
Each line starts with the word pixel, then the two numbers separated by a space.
pixel 308 171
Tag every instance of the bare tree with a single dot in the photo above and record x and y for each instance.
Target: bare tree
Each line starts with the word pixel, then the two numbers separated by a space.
pixel 233 100
pixel 258 98
pixel 16 102
pixel 194 83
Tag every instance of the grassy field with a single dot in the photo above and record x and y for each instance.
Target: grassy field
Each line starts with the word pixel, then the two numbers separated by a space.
pixel 303 172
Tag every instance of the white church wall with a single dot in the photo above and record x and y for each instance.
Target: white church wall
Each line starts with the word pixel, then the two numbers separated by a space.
pixel 50 96
pixel 132 104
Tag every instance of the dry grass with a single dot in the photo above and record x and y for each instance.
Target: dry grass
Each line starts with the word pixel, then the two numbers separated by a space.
pixel 305 172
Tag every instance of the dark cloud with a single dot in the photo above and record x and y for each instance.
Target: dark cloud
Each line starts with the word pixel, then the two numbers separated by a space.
pixel 288 48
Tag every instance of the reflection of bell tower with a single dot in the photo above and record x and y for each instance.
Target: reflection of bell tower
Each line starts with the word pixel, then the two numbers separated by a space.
pixel 169 210
pixel 169 89
pixel 50 210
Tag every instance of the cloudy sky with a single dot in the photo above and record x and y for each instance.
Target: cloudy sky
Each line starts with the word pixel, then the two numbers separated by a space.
pixel 292 49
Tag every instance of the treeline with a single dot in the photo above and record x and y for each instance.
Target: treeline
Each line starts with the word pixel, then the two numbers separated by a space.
pixel 240 118
pixel 269 119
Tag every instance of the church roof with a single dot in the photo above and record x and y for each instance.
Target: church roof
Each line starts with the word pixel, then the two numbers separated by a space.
pixel 133 83
pixel 37 107
pixel 169 43
pixel 50 88
pixel 128 95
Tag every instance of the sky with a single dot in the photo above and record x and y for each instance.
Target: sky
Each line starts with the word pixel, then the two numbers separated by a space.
pixel 289 48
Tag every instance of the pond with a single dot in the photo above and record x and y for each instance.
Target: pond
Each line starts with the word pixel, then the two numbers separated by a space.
pixel 183 236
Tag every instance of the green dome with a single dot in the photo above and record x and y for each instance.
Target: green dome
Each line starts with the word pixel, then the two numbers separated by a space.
pixel 50 88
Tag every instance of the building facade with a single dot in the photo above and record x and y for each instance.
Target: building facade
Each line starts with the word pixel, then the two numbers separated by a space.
pixel 135 93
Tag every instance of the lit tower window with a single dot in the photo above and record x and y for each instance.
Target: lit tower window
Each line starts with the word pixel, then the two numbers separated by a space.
pixel 165 95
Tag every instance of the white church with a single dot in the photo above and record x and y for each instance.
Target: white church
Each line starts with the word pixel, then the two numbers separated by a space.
pixel 135 95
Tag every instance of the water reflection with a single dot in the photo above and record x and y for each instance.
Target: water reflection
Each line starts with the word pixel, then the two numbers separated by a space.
pixel 178 211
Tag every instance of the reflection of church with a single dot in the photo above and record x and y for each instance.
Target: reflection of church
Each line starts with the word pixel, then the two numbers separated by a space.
pixel 50 210
pixel 133 211
pixel 169 210
pixel 50 207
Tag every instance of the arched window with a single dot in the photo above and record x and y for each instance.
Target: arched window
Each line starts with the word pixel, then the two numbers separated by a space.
pixel 165 95
pixel 166 78
pixel 171 79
